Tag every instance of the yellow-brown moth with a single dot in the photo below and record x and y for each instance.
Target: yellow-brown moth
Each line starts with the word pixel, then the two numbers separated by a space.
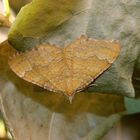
pixel 66 69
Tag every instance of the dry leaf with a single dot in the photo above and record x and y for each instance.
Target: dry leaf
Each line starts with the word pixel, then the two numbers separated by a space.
pixel 69 69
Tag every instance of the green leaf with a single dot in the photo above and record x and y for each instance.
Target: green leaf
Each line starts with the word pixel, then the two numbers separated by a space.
pixel 132 106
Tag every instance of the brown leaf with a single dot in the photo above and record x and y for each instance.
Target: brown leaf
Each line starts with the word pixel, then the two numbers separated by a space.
pixel 69 69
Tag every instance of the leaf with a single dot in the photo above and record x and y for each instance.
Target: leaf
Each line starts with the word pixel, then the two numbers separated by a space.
pixel 132 106
pixel 96 19
pixel 67 70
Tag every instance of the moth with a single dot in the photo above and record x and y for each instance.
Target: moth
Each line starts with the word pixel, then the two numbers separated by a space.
pixel 66 69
